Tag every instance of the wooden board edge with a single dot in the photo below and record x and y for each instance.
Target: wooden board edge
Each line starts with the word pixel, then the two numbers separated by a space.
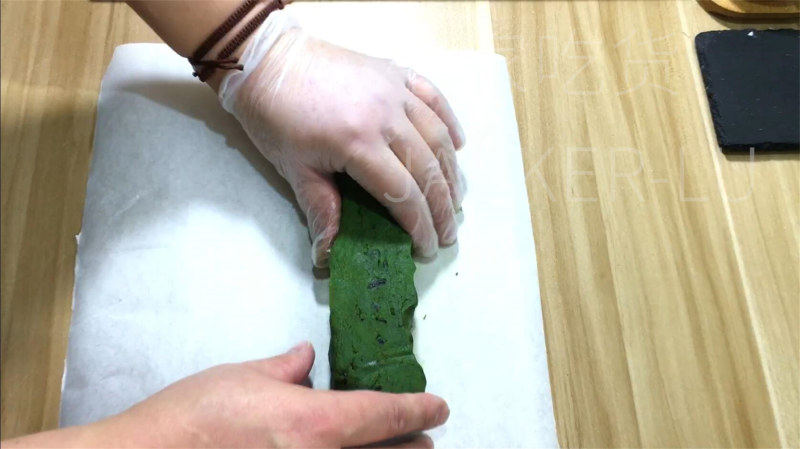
pixel 743 9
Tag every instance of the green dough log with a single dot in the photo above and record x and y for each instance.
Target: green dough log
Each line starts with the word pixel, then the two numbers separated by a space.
pixel 372 299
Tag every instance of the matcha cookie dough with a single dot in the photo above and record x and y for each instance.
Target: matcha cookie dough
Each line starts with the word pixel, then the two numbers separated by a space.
pixel 372 299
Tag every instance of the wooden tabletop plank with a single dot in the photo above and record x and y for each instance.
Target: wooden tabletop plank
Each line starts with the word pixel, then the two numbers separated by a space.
pixel 50 81
pixel 655 322
pixel 762 195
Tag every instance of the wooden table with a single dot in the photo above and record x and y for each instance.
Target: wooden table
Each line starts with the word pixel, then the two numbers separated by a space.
pixel 669 272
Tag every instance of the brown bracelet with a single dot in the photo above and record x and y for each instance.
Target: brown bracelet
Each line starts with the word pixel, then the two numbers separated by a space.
pixel 223 60
pixel 223 29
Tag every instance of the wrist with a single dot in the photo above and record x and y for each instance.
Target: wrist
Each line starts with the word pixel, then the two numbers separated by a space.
pixel 270 57
pixel 218 75
pixel 265 55
pixel 222 51
pixel 119 431
pixel 138 427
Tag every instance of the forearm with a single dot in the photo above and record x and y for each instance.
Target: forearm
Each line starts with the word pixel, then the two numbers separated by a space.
pixel 97 434
pixel 79 436
pixel 185 24
pixel 128 429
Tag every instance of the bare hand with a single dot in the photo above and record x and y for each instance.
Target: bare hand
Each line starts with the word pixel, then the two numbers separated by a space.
pixel 263 404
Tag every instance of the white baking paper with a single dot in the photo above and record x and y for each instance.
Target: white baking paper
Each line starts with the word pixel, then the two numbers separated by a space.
pixel 193 253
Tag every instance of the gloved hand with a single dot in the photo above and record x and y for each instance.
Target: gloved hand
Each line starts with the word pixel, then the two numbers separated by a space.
pixel 313 109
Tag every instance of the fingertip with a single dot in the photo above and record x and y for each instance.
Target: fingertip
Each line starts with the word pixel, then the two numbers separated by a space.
pixel 459 138
pixel 439 411
pixel 320 258
pixel 437 400
pixel 320 200
pixel 301 347
pixel 304 351
pixel 321 245
pixel 292 366
pixel 423 233
pixel 442 415
pixel 449 233
pixel 459 190
pixel 448 240
pixel 426 248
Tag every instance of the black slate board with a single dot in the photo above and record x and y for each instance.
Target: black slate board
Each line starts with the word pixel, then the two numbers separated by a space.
pixel 752 80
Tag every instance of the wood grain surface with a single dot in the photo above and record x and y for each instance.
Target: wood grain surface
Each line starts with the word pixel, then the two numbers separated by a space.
pixel 669 272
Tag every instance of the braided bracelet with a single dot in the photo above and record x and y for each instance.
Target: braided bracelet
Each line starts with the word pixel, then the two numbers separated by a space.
pixel 204 68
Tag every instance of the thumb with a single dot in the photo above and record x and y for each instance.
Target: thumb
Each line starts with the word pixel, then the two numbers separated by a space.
pixel 319 199
pixel 292 367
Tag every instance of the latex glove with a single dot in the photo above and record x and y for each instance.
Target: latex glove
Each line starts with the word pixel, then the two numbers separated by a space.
pixel 313 109
pixel 262 403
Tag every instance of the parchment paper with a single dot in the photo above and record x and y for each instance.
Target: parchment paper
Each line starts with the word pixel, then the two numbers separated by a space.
pixel 193 253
